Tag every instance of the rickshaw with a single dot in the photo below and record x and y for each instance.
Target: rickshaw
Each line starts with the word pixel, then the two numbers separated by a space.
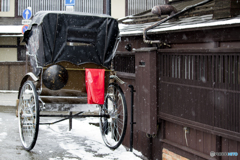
pixel 61 46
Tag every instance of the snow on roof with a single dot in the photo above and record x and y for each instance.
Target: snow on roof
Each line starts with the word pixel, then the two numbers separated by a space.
pixel 11 29
pixel 196 22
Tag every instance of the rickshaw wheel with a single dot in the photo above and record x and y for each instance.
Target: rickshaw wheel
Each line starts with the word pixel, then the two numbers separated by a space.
pixel 28 115
pixel 113 127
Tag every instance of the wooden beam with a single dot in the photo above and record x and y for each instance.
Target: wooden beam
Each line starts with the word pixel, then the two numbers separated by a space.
pixel 200 126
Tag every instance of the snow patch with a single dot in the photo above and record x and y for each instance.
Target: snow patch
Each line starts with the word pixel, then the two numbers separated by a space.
pixel 90 145
pixel 3 136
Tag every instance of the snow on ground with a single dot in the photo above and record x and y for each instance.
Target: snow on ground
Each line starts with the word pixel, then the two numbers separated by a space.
pixel 85 141
pixel 3 135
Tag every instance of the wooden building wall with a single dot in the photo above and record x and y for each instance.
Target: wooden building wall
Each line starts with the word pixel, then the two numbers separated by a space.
pixel 193 84
pixel 11 74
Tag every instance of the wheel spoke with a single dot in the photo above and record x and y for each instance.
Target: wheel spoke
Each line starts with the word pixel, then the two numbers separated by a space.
pixel 117 131
pixel 115 107
pixel 28 115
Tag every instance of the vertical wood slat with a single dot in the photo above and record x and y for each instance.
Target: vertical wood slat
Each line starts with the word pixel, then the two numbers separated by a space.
pixel 221 76
pixel 206 68
pixel 216 71
pixel 235 70
pixel 171 66
pixel 226 94
pixel 198 68
pixel 179 67
pixel 238 70
pixel 186 67
pixel 18 7
pixel 231 104
pixel 94 7
pixel 161 66
pixel 171 71
pixel 226 71
pixel 189 67
pixel 137 6
pixel 182 67
pixel 201 67
pixel 97 7
pixel 87 7
pixel 194 68
pixel 165 65
pixel 176 66
pixel 231 75
pixel 161 69
pixel 129 5
pixel 91 6
pixel 236 96
pixel 23 2
pixel 133 3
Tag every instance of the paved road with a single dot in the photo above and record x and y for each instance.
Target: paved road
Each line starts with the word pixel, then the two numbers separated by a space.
pixel 11 147
pixel 55 142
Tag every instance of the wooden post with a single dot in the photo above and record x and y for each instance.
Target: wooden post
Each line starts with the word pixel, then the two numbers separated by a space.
pixel 126 7
pixel 104 6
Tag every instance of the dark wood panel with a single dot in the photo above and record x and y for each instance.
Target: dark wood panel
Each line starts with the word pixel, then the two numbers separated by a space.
pixel 207 147
pixel 233 146
pixel 12 74
pixel 225 148
pixel 127 94
pixel 227 110
pixel 206 90
pixel 146 91
pixel 4 77
pixel 187 102
pixel 16 75
pixel 199 142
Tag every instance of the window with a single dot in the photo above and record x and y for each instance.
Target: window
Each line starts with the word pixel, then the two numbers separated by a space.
pixel 218 68
pixel 5 5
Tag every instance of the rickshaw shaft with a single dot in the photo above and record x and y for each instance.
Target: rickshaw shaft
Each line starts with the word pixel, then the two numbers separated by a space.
pixel 70 118
pixel 75 116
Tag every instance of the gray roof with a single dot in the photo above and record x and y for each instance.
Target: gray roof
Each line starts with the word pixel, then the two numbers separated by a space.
pixel 194 23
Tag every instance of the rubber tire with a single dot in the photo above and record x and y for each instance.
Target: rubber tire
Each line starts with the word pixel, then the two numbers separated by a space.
pixel 36 107
pixel 103 120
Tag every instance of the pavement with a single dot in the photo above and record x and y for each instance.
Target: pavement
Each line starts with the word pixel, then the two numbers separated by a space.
pixel 55 142
pixel 8 98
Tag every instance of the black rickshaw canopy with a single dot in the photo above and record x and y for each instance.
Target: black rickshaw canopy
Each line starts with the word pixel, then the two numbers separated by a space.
pixel 71 36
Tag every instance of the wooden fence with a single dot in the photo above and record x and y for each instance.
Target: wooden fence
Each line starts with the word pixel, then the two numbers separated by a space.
pixel 137 6
pixel 88 6
pixel 11 75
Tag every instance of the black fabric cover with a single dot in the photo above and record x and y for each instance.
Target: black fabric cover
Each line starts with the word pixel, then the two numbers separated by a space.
pixel 95 35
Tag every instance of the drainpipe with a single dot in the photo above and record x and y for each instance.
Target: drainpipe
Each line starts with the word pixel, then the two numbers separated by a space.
pixel 168 18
